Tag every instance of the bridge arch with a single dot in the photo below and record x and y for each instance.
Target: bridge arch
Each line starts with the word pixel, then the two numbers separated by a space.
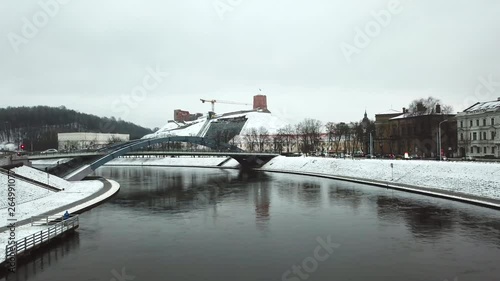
pixel 246 160
pixel 210 143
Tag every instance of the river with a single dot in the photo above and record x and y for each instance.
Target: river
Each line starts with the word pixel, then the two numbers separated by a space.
pixel 210 224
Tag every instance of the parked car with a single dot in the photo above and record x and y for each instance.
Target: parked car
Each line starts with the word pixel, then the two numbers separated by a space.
pixel 21 152
pixel 468 158
pixel 49 151
pixel 443 158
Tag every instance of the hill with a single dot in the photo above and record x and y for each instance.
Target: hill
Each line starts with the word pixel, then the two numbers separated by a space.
pixel 38 126
pixel 237 123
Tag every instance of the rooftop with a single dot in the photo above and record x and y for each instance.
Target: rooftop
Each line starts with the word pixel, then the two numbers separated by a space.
pixel 390 111
pixel 484 107
pixel 409 115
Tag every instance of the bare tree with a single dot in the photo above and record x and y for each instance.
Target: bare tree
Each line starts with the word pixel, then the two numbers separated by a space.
pixel 310 132
pixel 287 137
pixel 428 106
pixel 262 138
pixel 251 138
pixel 341 130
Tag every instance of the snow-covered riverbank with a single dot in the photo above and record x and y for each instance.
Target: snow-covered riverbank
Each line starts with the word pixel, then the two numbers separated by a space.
pixel 472 178
pixel 33 200
pixel 477 179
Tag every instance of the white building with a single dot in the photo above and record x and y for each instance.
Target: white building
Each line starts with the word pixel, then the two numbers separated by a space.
pixel 78 141
pixel 478 129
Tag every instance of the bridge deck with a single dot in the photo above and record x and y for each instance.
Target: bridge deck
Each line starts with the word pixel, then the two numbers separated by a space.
pixel 140 153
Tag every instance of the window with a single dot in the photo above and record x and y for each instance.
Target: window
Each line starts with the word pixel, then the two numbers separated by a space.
pixel 471 123
pixel 493 135
pixel 471 149
pixel 478 149
pixel 461 124
pixel 477 122
pixel 462 136
pixel 474 136
pixel 485 150
pixel 492 121
pixel 484 136
pixel 480 136
pixel 484 122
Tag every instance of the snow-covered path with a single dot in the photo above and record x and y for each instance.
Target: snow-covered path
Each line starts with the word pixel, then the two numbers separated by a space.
pixel 32 200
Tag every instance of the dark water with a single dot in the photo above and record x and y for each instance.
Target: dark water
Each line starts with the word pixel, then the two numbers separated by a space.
pixel 205 224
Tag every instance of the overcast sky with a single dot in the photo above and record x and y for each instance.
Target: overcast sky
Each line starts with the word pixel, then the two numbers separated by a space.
pixel 95 56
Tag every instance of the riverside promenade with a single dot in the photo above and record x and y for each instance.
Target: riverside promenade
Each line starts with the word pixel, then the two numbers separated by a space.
pixel 44 225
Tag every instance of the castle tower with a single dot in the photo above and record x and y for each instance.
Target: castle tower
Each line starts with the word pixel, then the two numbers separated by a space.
pixel 260 102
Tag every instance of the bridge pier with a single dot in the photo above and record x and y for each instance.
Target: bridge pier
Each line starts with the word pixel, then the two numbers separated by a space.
pixel 252 161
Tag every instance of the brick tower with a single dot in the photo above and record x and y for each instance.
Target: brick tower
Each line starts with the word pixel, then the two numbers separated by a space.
pixel 260 102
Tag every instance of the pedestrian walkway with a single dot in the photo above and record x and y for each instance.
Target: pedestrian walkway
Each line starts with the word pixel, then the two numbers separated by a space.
pixel 61 210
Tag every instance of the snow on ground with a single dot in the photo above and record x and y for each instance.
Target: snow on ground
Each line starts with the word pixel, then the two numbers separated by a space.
pixel 168 161
pixel 24 192
pixel 39 205
pixel 50 161
pixel 42 163
pixel 169 126
pixel 42 177
pixel 480 179
pixel 190 129
pixel 32 200
pixel 262 119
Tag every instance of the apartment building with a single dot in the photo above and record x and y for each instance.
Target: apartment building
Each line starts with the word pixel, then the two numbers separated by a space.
pixel 478 129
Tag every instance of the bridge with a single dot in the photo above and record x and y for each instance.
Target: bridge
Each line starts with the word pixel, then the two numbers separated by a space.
pixel 85 163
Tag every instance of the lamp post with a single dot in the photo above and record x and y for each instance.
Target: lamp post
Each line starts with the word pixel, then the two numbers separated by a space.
pixel 371 144
pixel 439 139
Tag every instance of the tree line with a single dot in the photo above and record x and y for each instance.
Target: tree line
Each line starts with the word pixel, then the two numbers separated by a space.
pixel 312 136
pixel 37 127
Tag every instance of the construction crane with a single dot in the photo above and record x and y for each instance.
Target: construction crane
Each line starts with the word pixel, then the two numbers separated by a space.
pixel 222 101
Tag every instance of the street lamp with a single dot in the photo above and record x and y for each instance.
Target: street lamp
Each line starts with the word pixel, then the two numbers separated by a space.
pixel 439 139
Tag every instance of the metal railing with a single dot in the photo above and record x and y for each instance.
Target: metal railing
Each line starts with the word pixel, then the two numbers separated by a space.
pixel 29 180
pixel 36 239
pixel 46 220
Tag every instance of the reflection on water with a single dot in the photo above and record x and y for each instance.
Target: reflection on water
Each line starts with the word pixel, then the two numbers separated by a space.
pixel 45 258
pixel 205 224
pixel 430 220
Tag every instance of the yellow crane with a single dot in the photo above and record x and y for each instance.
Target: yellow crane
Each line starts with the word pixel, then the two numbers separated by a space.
pixel 222 101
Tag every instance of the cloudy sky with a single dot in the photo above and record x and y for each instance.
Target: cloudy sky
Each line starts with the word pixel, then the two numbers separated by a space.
pixel 323 59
